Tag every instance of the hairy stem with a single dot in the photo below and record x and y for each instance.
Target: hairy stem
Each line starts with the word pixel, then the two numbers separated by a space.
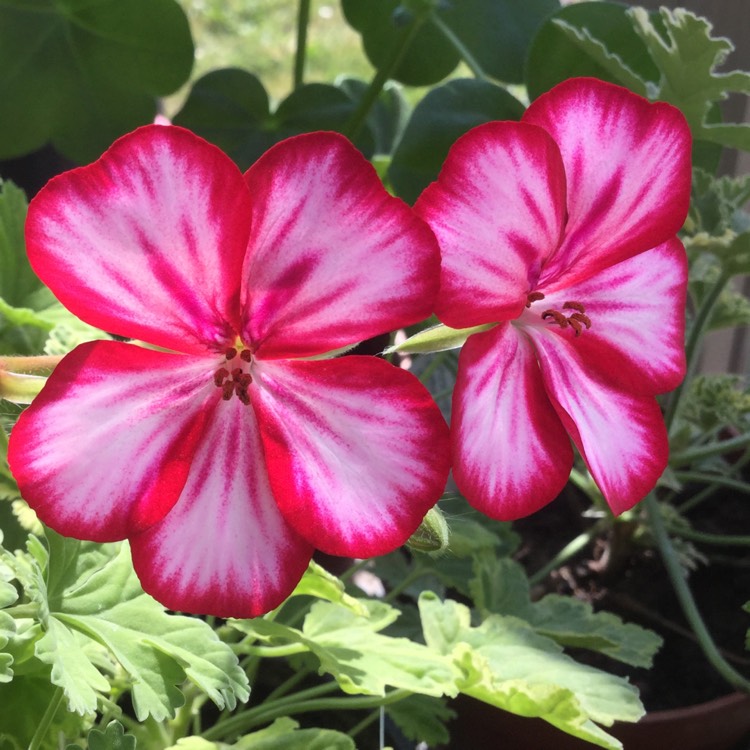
pixel 303 20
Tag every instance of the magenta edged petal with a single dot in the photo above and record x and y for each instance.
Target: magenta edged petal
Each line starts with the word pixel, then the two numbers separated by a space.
pixel 637 309
pixel 357 451
pixel 333 259
pixel 105 448
pixel 148 241
pixel 497 210
pixel 621 436
pixel 628 171
pixel 511 452
pixel 224 549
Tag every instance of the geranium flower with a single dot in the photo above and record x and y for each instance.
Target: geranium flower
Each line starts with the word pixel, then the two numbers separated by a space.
pixel 229 452
pixel 560 230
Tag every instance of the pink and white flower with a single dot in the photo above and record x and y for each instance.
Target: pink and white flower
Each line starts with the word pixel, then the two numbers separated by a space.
pixel 231 450
pixel 560 231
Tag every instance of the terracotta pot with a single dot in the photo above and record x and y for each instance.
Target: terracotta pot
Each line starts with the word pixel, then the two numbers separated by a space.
pixel 721 724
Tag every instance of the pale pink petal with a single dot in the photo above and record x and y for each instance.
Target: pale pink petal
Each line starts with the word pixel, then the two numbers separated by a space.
pixel 333 259
pixel 105 448
pixel 224 549
pixel 148 241
pixel 628 171
pixel 511 452
pixel 357 451
pixel 497 210
pixel 621 436
pixel 637 311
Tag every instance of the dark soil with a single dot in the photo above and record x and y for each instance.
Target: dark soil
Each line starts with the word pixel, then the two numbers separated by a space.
pixel 635 587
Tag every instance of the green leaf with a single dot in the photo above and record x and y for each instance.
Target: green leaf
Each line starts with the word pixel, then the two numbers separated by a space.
pixel 388 116
pixel 22 330
pixel 362 660
pixel 80 73
pixel 285 734
pixel 112 738
pixel 17 280
pixel 588 39
pixel 230 108
pixel 500 586
pixel 498 32
pixel 688 56
pixel 422 718
pixel 96 606
pixel 437 338
pixel 442 116
pixel 429 58
pixel 318 582
pixel 505 663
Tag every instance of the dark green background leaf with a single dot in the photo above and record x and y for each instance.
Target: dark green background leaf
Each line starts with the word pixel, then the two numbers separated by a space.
pixel 80 73
pixel 446 113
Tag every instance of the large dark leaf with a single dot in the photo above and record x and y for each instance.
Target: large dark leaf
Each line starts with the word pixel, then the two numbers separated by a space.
pixel 230 108
pixel 80 73
pixel 498 32
pixel 430 56
pixel 446 113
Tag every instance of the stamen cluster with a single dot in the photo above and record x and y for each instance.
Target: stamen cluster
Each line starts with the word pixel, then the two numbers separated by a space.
pixel 234 380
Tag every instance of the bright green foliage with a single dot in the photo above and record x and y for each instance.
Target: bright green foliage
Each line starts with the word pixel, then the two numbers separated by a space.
pixel 687 62
pixel 283 734
pixel 95 616
pixel 504 662
pixel 81 73
pixel 500 586
pixel 442 116
pixel 318 582
pixel 715 400
pixel 112 738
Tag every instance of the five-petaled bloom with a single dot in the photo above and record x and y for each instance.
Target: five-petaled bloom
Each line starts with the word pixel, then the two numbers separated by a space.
pixel 561 230
pixel 231 450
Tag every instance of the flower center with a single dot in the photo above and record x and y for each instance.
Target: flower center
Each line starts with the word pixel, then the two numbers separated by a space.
pixel 232 378
pixel 576 318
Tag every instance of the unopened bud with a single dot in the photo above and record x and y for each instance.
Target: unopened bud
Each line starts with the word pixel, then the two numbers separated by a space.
pixel 432 535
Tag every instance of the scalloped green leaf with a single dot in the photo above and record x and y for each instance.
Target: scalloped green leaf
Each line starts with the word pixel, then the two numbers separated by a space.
pixel 112 738
pixel 230 108
pixel 363 660
pixel 605 22
pixel 79 73
pixel 505 663
pixel 687 56
pixel 442 116
pixel 429 58
pixel 422 718
pixel 17 280
pixel 97 610
pixel 318 582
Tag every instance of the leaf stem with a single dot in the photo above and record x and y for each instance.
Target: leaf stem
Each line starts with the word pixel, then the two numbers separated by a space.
pixel 685 597
pixel 357 120
pixel 460 47
pixel 289 649
pixel 45 723
pixel 303 20
pixel 724 540
pixel 569 550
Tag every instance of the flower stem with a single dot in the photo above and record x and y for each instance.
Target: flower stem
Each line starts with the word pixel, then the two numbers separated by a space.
pixel 723 540
pixel 700 323
pixel 460 47
pixel 41 365
pixel 712 449
pixel 20 389
pixel 303 20
pixel 568 551
pixel 685 597
pixel 45 723
pixel 357 120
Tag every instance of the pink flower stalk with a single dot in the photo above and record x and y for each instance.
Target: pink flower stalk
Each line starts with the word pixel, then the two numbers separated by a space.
pixel 560 230
pixel 231 451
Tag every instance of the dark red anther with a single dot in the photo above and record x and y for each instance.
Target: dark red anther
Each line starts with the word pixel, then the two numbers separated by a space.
pixel 579 316
pixel 242 394
pixel 246 355
pixel 533 297
pixel 557 316
pixel 575 325
pixel 219 376
pixel 244 380
pixel 227 389
pixel 574 306
pixel 230 353
pixel 236 372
